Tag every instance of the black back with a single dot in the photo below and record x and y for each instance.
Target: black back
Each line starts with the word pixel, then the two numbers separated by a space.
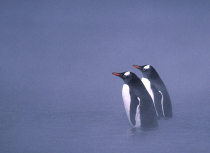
pixel 158 85
pixel 148 116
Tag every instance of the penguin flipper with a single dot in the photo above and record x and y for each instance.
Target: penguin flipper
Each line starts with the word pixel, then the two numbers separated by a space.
pixel 161 102
pixel 166 103
pixel 133 108
pixel 148 114
pixel 157 99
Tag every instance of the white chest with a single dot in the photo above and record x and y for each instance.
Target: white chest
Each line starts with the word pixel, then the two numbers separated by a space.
pixel 126 99
pixel 147 85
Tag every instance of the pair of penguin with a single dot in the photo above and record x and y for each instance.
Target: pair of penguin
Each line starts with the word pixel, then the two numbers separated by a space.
pixel 145 100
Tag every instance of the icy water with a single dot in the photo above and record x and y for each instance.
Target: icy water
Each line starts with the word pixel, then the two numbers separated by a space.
pixel 57 91
pixel 34 128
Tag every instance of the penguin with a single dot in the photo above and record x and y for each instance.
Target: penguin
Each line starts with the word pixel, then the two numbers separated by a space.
pixel 157 90
pixel 137 102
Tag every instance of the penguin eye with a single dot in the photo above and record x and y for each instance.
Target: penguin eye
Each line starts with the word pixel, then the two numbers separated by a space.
pixel 144 69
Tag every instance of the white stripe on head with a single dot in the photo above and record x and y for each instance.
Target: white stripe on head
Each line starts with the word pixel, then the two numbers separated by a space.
pixel 127 73
pixel 147 67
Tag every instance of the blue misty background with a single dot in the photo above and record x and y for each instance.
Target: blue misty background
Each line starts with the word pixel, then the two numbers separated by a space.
pixel 57 93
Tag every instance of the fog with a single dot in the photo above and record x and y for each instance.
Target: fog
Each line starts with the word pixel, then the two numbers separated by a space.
pixel 58 57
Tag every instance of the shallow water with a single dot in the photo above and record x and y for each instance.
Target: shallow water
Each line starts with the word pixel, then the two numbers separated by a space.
pixel 89 130
pixel 57 93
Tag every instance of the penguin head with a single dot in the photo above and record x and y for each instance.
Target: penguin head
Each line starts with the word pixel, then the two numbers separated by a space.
pixel 126 76
pixel 147 70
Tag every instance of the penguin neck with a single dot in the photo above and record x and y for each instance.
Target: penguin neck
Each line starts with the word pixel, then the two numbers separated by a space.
pixel 131 81
pixel 153 76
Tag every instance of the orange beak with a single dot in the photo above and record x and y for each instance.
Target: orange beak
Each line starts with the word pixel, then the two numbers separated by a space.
pixel 117 74
pixel 136 66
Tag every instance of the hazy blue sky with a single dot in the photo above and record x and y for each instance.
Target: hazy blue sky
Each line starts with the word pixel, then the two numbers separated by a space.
pixel 57 91
pixel 62 53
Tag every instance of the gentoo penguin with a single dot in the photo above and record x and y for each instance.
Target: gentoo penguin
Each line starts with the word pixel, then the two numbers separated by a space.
pixel 137 101
pixel 157 90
